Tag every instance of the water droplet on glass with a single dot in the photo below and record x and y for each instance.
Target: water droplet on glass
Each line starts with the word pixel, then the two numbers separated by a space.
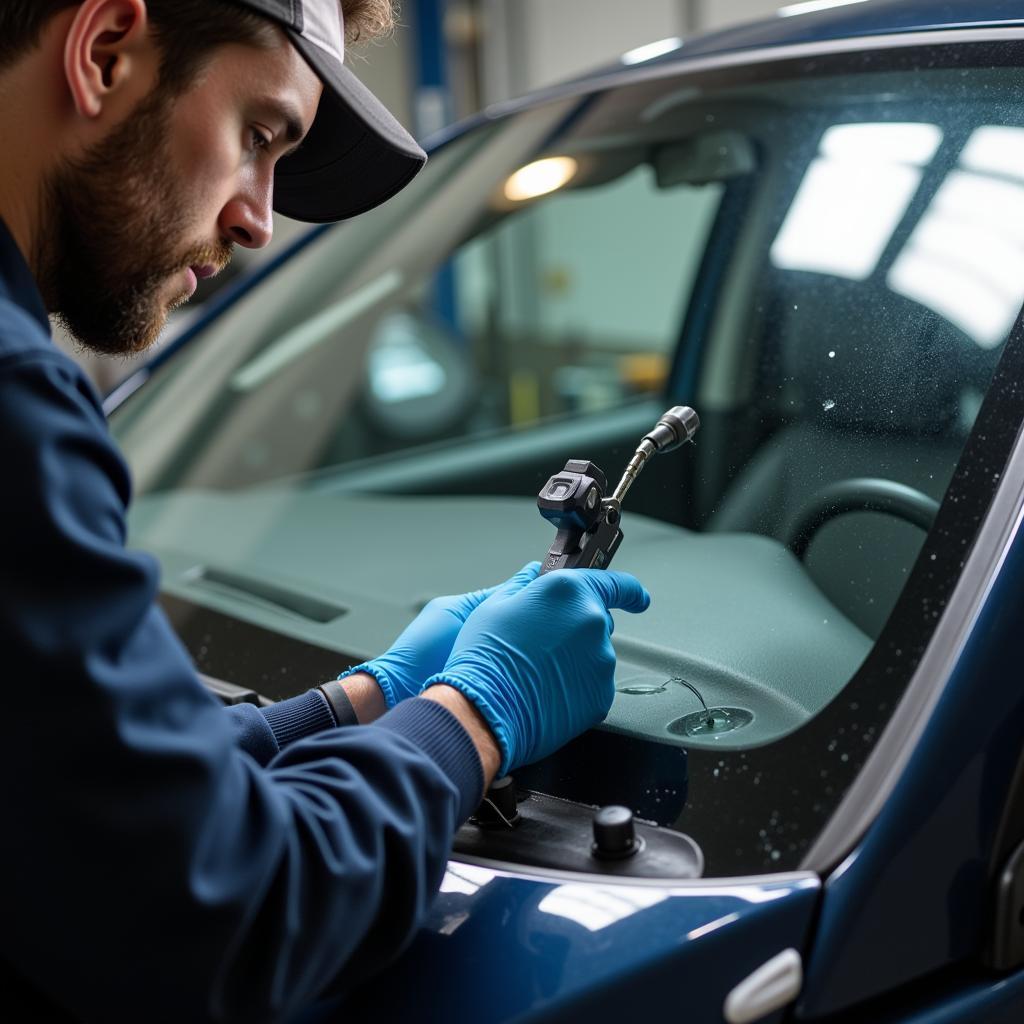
pixel 642 689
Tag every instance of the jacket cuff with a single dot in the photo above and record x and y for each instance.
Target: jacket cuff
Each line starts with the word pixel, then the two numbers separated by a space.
pixel 440 735
pixel 292 719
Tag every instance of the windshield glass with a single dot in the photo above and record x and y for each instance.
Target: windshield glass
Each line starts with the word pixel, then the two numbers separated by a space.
pixel 824 259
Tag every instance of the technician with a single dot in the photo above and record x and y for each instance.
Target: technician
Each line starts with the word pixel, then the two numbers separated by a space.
pixel 164 858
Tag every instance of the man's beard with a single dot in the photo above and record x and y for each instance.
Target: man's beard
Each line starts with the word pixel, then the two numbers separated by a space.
pixel 114 221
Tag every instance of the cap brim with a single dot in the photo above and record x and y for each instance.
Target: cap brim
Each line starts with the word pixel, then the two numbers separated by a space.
pixel 356 155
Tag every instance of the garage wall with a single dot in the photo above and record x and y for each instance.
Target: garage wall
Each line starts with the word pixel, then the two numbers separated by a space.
pixel 565 38
pixel 719 13
pixel 539 42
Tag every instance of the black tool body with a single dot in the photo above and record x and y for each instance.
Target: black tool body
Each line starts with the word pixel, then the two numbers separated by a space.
pixel 586 518
pixel 588 529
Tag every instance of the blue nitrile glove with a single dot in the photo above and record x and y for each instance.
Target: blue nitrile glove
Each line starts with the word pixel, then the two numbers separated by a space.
pixel 424 646
pixel 537 660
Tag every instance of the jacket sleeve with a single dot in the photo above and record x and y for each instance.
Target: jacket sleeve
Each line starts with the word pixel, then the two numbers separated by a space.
pixel 160 872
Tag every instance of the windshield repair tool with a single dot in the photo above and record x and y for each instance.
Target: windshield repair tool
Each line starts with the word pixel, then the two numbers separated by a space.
pixel 587 521
pixel 588 537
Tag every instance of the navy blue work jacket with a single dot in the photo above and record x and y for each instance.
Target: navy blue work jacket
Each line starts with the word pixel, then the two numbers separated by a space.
pixel 164 858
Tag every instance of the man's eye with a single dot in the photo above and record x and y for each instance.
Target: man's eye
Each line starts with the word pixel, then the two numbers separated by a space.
pixel 259 140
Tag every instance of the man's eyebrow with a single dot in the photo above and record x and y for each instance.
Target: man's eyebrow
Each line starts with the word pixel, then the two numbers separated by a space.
pixel 289 115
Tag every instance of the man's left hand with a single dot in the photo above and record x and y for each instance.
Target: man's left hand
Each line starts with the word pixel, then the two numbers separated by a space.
pixel 423 648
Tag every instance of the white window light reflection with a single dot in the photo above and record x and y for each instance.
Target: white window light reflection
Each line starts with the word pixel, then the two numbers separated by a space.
pixel 711 926
pixel 810 6
pixel 466 878
pixel 596 908
pixel 323 327
pixel 891 143
pixel 651 50
pixel 995 149
pixel 399 367
pixel 965 259
pixel 853 197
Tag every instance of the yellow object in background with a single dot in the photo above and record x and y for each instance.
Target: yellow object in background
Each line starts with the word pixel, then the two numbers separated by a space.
pixel 645 371
pixel 523 399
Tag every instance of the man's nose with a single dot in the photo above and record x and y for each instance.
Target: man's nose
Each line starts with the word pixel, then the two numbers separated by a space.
pixel 248 219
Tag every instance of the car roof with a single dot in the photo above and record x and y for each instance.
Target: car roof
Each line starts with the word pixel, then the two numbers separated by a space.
pixel 796 23
pixel 822 20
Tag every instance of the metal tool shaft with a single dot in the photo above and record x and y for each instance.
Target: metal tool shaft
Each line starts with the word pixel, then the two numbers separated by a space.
pixel 632 471
pixel 676 427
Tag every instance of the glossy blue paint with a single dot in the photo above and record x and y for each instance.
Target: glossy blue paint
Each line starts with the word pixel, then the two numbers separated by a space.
pixel 993 1001
pixel 914 896
pixel 501 947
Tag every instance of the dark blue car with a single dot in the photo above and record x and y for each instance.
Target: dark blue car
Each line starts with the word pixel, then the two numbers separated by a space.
pixel 811 230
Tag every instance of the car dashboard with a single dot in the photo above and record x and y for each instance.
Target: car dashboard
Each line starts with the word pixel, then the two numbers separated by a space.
pixel 738 648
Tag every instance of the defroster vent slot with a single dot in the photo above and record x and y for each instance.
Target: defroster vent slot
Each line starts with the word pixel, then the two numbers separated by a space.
pixel 234 584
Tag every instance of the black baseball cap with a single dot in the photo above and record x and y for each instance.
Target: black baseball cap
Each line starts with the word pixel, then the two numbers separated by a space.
pixel 356 154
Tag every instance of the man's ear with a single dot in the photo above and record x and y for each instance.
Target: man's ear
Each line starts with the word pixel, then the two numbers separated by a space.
pixel 103 50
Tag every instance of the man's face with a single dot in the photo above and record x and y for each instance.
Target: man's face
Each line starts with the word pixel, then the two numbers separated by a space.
pixel 164 198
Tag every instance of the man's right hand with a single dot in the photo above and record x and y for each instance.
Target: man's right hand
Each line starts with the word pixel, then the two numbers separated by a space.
pixel 536 658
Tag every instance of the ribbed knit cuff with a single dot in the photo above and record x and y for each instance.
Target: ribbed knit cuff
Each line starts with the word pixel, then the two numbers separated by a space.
pixel 300 716
pixel 441 736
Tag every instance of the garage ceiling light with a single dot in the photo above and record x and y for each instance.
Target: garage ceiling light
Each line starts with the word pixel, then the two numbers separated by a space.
pixel 540 178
